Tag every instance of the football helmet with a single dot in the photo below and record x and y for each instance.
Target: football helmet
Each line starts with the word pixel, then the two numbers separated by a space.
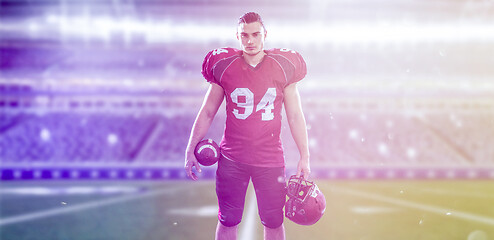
pixel 306 203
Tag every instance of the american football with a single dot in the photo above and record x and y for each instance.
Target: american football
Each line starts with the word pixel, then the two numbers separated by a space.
pixel 207 152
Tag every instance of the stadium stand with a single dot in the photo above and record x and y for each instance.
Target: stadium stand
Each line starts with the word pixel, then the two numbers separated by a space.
pixel 341 138
pixel 61 138
pixel 378 139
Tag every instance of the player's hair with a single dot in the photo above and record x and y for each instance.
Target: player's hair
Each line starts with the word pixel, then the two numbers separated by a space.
pixel 251 17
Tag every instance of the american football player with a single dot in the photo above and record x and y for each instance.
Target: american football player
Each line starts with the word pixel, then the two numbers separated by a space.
pixel 255 83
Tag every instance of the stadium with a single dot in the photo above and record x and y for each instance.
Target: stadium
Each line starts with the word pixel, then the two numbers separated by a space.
pixel 97 100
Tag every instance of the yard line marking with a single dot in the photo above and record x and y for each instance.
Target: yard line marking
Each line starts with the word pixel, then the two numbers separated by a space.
pixel 420 206
pixel 204 211
pixel 367 210
pixel 80 207
pixel 483 195
pixel 249 226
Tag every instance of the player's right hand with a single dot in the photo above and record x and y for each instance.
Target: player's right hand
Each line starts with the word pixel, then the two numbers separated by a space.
pixel 190 162
pixel 303 168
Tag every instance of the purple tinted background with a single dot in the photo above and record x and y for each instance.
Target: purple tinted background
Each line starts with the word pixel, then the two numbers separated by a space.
pixel 110 89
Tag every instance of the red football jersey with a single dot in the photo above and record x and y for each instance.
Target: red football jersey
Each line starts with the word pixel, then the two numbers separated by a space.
pixel 254 100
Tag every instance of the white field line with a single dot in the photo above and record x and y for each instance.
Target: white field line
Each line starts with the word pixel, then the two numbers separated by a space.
pixel 420 206
pixel 80 207
pixel 482 195
pixel 249 226
pixel 205 211
pixel 373 210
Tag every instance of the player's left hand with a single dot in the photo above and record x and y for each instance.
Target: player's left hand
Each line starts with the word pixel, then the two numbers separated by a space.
pixel 303 168
pixel 190 162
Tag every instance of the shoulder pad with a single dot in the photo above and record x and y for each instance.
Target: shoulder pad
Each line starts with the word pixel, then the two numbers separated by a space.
pixel 215 56
pixel 291 61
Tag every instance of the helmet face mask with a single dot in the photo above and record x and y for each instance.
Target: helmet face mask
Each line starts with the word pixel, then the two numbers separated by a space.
pixel 306 203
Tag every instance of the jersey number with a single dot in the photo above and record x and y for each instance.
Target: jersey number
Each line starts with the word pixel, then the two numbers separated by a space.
pixel 266 104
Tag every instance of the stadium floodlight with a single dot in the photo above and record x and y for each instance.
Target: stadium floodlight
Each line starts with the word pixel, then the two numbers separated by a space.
pixel 33 27
pixel 313 33
pixel 45 135
pixel 411 153
pixel 383 149
pixel 382 32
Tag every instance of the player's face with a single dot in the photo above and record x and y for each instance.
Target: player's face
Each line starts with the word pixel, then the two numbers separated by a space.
pixel 251 37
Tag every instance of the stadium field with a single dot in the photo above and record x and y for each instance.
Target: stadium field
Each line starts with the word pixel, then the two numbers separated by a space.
pixel 356 209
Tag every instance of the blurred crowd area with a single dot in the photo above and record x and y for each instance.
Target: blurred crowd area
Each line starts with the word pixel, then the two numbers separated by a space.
pixel 390 83
pixel 154 135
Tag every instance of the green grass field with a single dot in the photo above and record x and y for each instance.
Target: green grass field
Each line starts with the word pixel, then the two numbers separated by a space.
pixel 356 209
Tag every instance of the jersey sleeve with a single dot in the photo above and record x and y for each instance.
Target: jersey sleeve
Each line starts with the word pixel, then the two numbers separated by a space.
pixel 300 67
pixel 294 64
pixel 210 64
pixel 207 67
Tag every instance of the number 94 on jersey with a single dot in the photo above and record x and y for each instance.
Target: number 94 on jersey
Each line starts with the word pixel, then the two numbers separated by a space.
pixel 266 105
